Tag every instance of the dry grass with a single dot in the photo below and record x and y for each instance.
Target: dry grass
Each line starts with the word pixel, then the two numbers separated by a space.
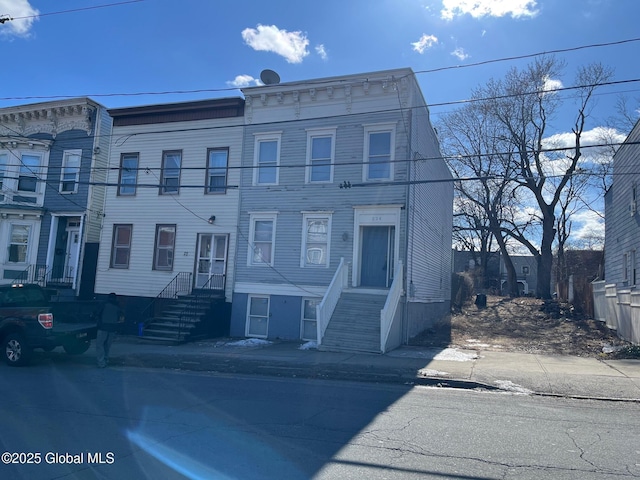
pixel 521 325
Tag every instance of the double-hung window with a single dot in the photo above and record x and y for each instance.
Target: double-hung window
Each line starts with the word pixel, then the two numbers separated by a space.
pixel 4 159
pixel 19 243
pixel 121 246
pixel 315 239
pixel 128 174
pixel 266 159
pixel 164 247
pixel 171 163
pixel 28 173
pixel 379 152
pixel 70 174
pixel 217 159
pixel 320 155
pixel 262 234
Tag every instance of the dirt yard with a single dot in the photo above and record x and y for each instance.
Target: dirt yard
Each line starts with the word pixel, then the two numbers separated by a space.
pixel 521 325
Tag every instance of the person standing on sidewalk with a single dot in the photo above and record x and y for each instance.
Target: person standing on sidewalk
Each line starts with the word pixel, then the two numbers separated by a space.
pixel 108 323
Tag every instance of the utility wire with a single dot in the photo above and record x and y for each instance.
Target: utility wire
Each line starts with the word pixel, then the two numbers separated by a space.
pixel 8 18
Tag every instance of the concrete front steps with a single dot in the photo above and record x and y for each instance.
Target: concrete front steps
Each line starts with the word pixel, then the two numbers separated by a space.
pixel 355 324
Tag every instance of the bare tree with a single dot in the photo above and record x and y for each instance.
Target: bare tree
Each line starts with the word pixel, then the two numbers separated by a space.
pixel 524 105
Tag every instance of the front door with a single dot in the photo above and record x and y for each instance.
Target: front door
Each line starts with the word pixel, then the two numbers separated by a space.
pixel 71 258
pixel 377 256
pixel 211 263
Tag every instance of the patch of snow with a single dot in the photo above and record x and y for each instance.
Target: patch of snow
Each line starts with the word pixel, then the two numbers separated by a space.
pixel 509 386
pixel 476 343
pixel 427 372
pixel 308 346
pixel 455 355
pixel 611 349
pixel 249 342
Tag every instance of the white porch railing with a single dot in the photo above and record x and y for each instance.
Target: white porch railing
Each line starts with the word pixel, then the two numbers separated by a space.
pixel 328 304
pixel 390 306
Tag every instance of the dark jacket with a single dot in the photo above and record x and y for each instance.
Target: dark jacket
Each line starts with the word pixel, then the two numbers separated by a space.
pixel 110 317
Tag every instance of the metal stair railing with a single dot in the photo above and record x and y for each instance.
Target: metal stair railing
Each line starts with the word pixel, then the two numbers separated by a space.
pixel 35 273
pixel 180 283
pixel 214 284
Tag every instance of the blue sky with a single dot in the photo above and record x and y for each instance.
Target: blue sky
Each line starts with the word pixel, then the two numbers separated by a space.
pixel 107 48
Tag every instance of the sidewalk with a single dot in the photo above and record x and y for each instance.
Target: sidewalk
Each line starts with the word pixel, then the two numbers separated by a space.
pixel 565 376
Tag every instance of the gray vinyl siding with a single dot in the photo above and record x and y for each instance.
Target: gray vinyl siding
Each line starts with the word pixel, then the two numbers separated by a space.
pixel 430 217
pixel 98 177
pixel 292 196
pixel 622 229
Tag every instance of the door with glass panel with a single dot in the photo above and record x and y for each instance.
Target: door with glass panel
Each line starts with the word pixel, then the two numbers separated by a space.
pixel 211 265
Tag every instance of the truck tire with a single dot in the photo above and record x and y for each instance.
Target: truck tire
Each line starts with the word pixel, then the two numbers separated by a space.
pixel 15 349
pixel 76 348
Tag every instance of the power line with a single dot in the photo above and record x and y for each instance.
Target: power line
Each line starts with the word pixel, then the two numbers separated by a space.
pixel 5 19
pixel 312 82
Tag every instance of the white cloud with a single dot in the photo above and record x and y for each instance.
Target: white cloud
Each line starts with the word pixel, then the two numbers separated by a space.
pixel 244 81
pixel 269 38
pixel 320 50
pixel 460 54
pixel 17 9
pixel 426 41
pixel 492 8
pixel 550 85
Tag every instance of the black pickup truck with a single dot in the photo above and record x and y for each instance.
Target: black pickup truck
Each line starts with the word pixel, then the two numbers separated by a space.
pixel 27 322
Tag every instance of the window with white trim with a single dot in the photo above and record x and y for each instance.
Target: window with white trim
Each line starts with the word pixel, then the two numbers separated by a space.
pixel 320 155
pixel 170 180
pixel 19 243
pixel 128 173
pixel 70 175
pixel 217 159
pixel 28 173
pixel 164 247
pixel 316 237
pixel 266 159
pixel 309 329
pixel 379 152
pixel 121 246
pixel 632 268
pixel 262 234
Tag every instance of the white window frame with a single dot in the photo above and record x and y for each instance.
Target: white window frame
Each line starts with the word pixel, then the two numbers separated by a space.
pixel 303 319
pixel 33 174
pixel 260 138
pixel 29 228
pixel 632 268
pixel 65 169
pixel 253 218
pixel 247 332
pixel 123 187
pixel 320 133
pixel 306 217
pixel 625 267
pixel 379 128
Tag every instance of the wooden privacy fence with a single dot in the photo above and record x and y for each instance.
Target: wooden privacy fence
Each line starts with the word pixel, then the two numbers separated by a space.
pixel 619 308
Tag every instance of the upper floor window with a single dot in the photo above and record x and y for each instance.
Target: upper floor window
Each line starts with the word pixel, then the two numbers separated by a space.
pixel 28 173
pixel 164 247
pixel 262 235
pixel 320 155
pixel 379 152
pixel 217 170
pixel 171 163
pixel 4 161
pixel 315 240
pixel 70 171
pixel 128 174
pixel 121 246
pixel 266 159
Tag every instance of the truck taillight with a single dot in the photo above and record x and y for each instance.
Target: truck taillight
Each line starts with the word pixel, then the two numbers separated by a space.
pixel 46 320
